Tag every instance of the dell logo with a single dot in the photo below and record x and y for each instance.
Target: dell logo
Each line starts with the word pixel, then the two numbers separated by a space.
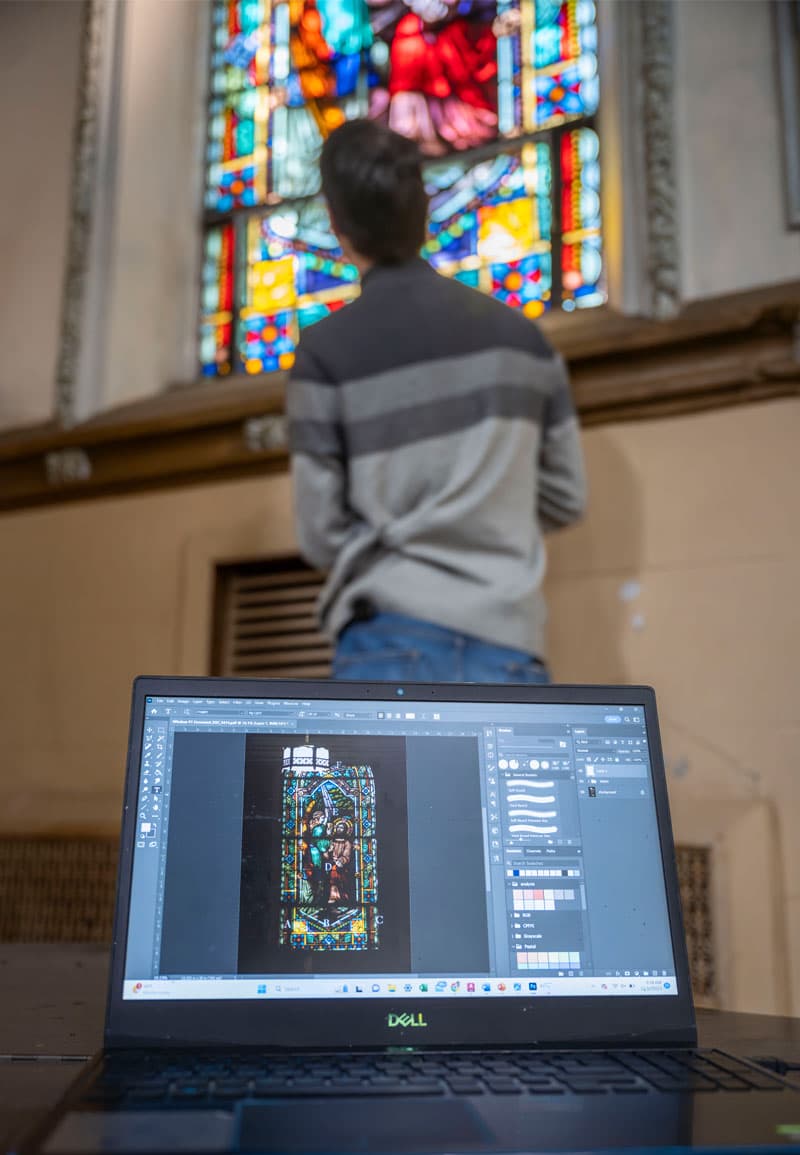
pixel 406 1020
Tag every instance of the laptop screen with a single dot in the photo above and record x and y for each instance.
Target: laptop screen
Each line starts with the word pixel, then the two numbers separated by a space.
pixel 313 849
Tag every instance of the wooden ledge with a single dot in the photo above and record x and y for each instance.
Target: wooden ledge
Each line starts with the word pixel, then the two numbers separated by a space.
pixel 732 351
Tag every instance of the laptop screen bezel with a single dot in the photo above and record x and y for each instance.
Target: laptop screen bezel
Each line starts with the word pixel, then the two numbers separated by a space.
pixel 572 1021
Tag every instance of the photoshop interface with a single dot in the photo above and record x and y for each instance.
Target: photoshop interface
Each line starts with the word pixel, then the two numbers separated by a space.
pixel 332 826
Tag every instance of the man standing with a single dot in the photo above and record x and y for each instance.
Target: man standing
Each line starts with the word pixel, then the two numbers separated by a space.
pixel 433 440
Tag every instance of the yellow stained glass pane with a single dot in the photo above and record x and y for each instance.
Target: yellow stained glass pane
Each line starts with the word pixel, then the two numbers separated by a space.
pixel 273 285
pixel 506 232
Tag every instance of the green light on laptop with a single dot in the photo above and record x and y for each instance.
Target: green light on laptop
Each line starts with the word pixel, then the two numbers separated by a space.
pixel 407 1020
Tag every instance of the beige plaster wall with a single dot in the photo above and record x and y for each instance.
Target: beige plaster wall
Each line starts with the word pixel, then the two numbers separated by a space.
pixel 90 596
pixel 684 575
pixel 39 69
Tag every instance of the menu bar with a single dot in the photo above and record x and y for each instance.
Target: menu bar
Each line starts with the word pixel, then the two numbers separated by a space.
pixel 400 708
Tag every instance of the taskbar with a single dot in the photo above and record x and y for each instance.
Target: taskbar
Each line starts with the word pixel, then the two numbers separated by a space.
pixel 400 988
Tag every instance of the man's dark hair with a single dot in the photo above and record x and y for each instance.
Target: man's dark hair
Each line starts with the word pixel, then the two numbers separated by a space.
pixel 372 181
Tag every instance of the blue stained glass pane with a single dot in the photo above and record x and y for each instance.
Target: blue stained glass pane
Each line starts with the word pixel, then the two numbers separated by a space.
pixel 245 136
pixel 547 48
pixel 241 50
pixel 469 277
pixel 565 60
pixel 589 38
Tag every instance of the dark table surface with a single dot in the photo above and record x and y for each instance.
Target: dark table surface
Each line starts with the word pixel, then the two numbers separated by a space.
pixel 52 1000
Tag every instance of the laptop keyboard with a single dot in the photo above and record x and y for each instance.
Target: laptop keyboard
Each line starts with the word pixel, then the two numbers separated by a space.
pixel 217 1079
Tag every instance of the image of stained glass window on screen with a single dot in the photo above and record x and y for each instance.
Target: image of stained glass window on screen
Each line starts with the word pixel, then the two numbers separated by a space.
pixel 329 885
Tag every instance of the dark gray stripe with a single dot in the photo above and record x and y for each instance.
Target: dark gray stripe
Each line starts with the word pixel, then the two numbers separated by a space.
pixel 316 438
pixel 307 401
pixel 438 418
pixel 410 315
pixel 561 406
pixel 307 368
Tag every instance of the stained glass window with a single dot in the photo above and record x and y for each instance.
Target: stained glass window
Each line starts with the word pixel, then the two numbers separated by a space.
pixel 499 94
pixel 329 885
pixel 216 323
pixel 581 256
pixel 490 225
pixel 294 275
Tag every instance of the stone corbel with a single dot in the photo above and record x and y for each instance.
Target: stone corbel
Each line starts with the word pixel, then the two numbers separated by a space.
pixel 67 467
pixel 266 434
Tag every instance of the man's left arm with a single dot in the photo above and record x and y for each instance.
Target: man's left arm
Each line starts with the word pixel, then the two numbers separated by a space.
pixel 562 472
pixel 323 519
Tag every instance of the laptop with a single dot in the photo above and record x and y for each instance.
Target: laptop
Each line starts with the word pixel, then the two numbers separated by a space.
pixel 393 919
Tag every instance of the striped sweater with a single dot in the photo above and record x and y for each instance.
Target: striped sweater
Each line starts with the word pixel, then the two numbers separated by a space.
pixel 433 439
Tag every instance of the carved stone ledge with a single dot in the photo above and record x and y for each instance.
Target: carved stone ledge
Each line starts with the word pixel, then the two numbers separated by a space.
pixel 741 350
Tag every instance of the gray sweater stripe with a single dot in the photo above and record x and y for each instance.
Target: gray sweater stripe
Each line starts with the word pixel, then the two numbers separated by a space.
pixel 440 417
pixel 421 422
pixel 411 385
pixel 449 377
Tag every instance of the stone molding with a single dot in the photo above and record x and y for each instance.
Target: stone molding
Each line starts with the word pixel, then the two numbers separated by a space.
pixel 658 131
pixel 84 163
pixel 743 350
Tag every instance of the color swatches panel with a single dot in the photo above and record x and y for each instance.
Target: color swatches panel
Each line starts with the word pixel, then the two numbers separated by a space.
pixel 525 899
pixel 541 873
pixel 548 960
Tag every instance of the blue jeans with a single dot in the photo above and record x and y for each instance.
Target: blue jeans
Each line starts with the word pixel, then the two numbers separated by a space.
pixel 394 648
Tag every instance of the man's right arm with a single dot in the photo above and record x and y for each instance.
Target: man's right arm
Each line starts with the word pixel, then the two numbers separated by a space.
pixel 323 519
pixel 562 474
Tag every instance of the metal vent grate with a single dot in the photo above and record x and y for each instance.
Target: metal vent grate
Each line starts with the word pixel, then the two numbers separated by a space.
pixel 266 622
pixel 694 878
pixel 57 889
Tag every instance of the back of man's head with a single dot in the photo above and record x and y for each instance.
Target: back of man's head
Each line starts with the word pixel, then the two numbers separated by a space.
pixel 372 181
